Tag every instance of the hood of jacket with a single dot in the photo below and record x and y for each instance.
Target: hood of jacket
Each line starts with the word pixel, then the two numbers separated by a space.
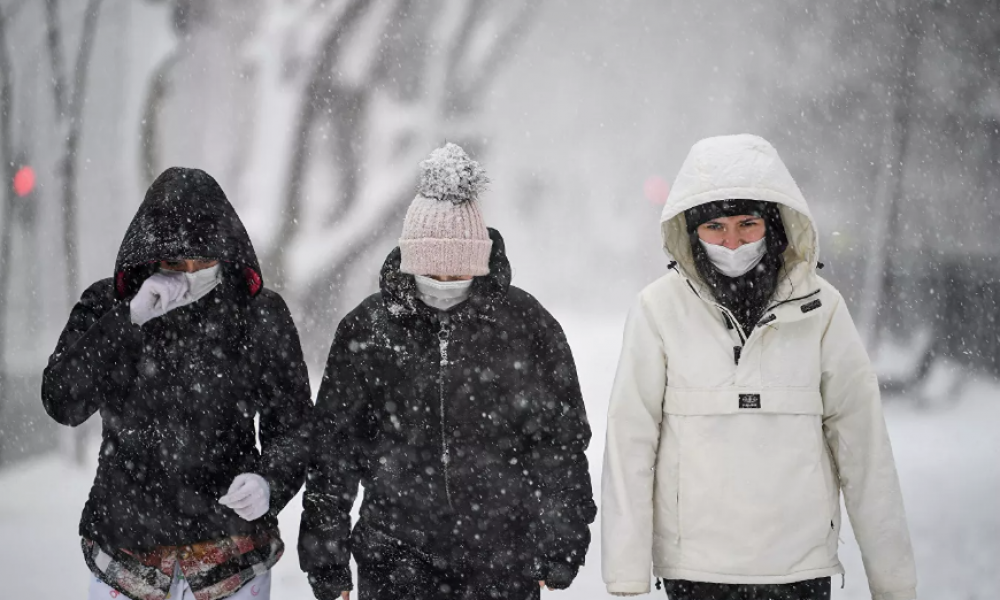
pixel 739 167
pixel 185 214
pixel 399 290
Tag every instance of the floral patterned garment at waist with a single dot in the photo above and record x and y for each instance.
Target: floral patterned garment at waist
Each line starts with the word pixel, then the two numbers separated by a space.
pixel 213 570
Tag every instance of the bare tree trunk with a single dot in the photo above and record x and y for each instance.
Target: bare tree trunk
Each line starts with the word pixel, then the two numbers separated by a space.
pixel 158 89
pixel 70 115
pixel 6 212
pixel 889 192
pixel 70 160
pixel 54 38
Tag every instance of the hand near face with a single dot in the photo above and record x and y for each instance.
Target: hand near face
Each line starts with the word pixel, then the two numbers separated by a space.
pixel 158 294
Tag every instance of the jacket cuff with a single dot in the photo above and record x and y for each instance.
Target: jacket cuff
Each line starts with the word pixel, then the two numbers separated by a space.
pixel 559 576
pixel 279 493
pixel 630 588
pixel 330 582
pixel 910 594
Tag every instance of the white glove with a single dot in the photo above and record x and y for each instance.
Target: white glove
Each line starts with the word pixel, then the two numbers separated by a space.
pixel 249 496
pixel 158 294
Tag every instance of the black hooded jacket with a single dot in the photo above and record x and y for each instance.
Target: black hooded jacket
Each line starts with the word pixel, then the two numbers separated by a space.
pixel 467 430
pixel 178 396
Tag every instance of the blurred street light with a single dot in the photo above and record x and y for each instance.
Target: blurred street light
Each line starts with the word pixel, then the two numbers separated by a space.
pixel 24 181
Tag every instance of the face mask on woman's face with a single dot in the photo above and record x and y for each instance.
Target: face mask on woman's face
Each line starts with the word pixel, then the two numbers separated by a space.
pixel 444 290
pixel 733 263
pixel 200 282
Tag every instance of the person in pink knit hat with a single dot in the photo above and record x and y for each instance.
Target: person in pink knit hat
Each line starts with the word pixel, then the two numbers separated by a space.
pixel 452 397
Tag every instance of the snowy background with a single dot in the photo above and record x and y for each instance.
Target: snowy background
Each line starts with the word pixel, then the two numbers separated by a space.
pixel 314 114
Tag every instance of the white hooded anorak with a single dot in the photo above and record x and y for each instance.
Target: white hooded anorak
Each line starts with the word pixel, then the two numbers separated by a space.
pixel 727 451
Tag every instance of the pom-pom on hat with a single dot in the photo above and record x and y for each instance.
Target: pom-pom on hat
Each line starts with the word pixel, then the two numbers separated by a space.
pixel 444 232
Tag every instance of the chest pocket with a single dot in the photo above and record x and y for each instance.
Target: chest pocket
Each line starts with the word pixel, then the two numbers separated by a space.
pixel 790 355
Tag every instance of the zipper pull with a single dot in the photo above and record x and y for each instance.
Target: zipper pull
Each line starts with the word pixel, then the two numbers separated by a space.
pixel 443 335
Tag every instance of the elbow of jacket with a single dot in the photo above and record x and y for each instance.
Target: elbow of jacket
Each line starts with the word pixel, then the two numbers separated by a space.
pixel 589 512
pixel 60 405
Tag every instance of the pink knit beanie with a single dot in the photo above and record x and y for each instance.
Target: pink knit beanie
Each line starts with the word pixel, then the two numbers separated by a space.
pixel 444 232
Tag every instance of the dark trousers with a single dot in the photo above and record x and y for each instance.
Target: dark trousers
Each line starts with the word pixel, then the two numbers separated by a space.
pixel 406 576
pixel 813 589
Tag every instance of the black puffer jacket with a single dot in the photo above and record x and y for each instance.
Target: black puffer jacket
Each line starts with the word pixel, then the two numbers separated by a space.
pixel 466 428
pixel 178 396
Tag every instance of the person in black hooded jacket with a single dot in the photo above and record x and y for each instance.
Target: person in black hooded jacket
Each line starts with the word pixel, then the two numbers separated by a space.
pixel 452 397
pixel 179 352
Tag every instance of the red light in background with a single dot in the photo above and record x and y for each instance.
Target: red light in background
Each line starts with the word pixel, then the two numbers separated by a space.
pixel 656 190
pixel 24 181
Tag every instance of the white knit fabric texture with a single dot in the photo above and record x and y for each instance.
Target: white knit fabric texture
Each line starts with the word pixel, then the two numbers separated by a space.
pixel 447 236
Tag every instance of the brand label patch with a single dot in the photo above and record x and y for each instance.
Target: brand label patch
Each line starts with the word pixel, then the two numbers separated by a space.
pixel 811 306
pixel 749 400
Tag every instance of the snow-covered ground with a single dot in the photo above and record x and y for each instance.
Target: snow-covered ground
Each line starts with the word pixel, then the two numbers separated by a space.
pixel 948 459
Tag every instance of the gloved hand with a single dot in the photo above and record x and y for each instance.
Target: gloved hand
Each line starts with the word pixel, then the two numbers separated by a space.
pixel 249 496
pixel 158 294
pixel 560 575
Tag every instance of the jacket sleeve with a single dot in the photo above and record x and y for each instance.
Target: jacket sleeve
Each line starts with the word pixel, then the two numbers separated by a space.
pixel 560 464
pixel 856 434
pixel 95 357
pixel 634 416
pixel 285 404
pixel 342 431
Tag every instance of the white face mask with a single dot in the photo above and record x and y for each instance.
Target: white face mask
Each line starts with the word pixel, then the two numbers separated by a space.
pixel 200 283
pixel 733 263
pixel 442 295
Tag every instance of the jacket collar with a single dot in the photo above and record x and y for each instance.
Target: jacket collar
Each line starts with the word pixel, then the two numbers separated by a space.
pixel 797 296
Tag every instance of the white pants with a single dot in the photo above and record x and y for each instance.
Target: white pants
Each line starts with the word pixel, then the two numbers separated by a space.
pixel 258 588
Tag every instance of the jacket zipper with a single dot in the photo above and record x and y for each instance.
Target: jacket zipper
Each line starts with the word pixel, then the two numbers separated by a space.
pixel 736 324
pixel 443 335
pixel 744 338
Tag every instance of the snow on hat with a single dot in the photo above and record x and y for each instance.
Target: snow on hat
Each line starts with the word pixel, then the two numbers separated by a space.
pixel 444 232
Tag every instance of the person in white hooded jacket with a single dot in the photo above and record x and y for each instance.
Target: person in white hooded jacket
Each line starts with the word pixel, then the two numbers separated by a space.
pixel 744 404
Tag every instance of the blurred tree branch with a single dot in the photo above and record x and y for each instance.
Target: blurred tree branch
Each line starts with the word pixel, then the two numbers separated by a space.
pixel 466 43
pixel 316 96
pixel 345 99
